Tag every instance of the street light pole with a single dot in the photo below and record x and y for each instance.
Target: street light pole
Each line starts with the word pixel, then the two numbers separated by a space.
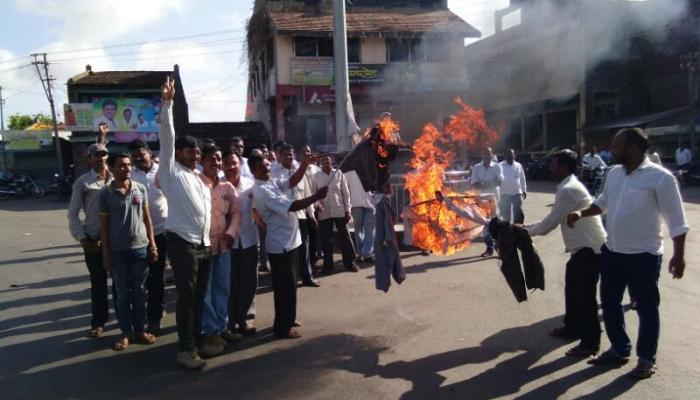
pixel 340 63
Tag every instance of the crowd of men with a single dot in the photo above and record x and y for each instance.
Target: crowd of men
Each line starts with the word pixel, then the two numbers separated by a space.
pixel 215 217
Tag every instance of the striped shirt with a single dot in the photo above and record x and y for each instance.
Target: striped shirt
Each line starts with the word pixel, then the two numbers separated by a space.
pixel 189 199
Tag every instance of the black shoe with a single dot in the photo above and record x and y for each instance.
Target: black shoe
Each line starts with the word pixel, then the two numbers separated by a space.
pixel 581 351
pixel 369 260
pixel 563 332
pixel 609 358
pixel 353 268
pixel 311 283
pixel 643 370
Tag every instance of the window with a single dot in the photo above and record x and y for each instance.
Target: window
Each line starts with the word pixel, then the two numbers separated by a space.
pixel 305 47
pixel 323 47
pixel 405 50
pixel 354 50
pixel 398 50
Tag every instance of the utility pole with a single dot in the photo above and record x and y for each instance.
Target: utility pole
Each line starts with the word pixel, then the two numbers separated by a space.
pixel 689 62
pixel 2 132
pixel 342 86
pixel 46 80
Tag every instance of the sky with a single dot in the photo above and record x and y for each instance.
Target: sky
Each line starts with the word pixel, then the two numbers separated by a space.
pixel 205 38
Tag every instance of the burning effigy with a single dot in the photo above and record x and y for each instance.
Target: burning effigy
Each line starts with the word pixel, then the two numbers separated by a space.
pixel 443 219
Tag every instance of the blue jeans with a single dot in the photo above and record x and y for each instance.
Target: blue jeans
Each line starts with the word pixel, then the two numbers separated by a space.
pixel 129 271
pixel 363 218
pixel 215 313
pixel 510 206
pixel 639 272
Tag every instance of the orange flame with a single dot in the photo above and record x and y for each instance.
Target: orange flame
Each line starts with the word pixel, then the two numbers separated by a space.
pixel 435 226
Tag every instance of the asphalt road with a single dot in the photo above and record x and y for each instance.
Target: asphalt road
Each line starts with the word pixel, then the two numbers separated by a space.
pixel 452 330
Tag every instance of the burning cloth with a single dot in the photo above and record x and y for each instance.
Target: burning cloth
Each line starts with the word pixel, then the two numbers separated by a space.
pixel 509 240
pixel 387 260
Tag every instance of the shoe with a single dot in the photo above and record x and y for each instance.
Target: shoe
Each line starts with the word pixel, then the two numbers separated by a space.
pixel 643 370
pixel 190 360
pixel 609 358
pixel 581 351
pixel 311 283
pixel 369 260
pixel 145 338
pixel 563 332
pixel 296 324
pixel 292 334
pixel 122 344
pixel 211 348
pixel 96 332
pixel 352 268
pixel 487 253
pixel 154 328
pixel 247 329
pixel 230 337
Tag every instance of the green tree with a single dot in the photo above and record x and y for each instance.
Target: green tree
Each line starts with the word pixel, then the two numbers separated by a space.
pixel 19 122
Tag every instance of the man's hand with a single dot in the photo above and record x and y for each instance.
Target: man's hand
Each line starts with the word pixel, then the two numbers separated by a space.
pixel 524 195
pixel 168 89
pixel 152 255
pixel 321 193
pixel 314 222
pixel 228 241
pixel 677 266
pixel 89 246
pixel 312 159
pixel 103 131
pixel 572 218
pixel 348 218
pixel 107 262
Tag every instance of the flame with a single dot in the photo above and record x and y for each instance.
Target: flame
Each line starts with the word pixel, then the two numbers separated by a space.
pixel 435 226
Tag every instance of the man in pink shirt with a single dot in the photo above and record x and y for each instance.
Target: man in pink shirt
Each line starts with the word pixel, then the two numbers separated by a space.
pixel 225 219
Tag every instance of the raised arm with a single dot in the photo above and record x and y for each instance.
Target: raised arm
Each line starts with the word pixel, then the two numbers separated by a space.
pixel 167 132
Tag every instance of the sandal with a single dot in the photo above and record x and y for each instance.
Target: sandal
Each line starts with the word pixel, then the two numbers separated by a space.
pixel 122 344
pixel 145 338
pixel 96 332
pixel 643 371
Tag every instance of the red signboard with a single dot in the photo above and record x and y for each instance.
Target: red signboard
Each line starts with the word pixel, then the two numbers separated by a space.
pixel 319 94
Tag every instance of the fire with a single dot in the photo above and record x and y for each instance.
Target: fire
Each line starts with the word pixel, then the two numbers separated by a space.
pixel 436 226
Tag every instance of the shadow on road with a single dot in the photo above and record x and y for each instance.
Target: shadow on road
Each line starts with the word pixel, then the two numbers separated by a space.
pixel 297 371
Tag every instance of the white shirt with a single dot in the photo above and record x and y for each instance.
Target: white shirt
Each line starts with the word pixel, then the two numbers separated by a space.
pixel 358 196
pixel 490 177
pixel 189 198
pixel 302 189
pixel 248 231
pixel 572 196
pixel 271 201
pixel 245 169
pixel 683 156
pixel 654 157
pixel 337 201
pixel 513 178
pixel 635 205
pixel 592 162
pixel 157 204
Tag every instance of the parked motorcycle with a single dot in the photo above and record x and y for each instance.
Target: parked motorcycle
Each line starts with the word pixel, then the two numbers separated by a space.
pixel 593 179
pixel 63 187
pixel 20 186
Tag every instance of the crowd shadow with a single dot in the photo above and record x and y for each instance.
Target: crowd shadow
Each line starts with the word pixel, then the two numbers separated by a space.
pixel 49 283
pixel 299 370
pixel 32 260
pixel 59 247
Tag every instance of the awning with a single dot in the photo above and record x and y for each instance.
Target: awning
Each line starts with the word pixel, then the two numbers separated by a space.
pixel 638 121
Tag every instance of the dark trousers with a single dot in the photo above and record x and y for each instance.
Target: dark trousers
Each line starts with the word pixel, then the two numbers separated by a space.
pixel 313 245
pixel 191 264
pixel 262 253
pixel 581 282
pixel 639 272
pixel 155 284
pixel 98 289
pixel 346 246
pixel 244 284
pixel 305 272
pixel 284 284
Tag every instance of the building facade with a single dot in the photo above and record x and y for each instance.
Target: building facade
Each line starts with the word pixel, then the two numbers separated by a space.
pixel 403 56
pixel 570 73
